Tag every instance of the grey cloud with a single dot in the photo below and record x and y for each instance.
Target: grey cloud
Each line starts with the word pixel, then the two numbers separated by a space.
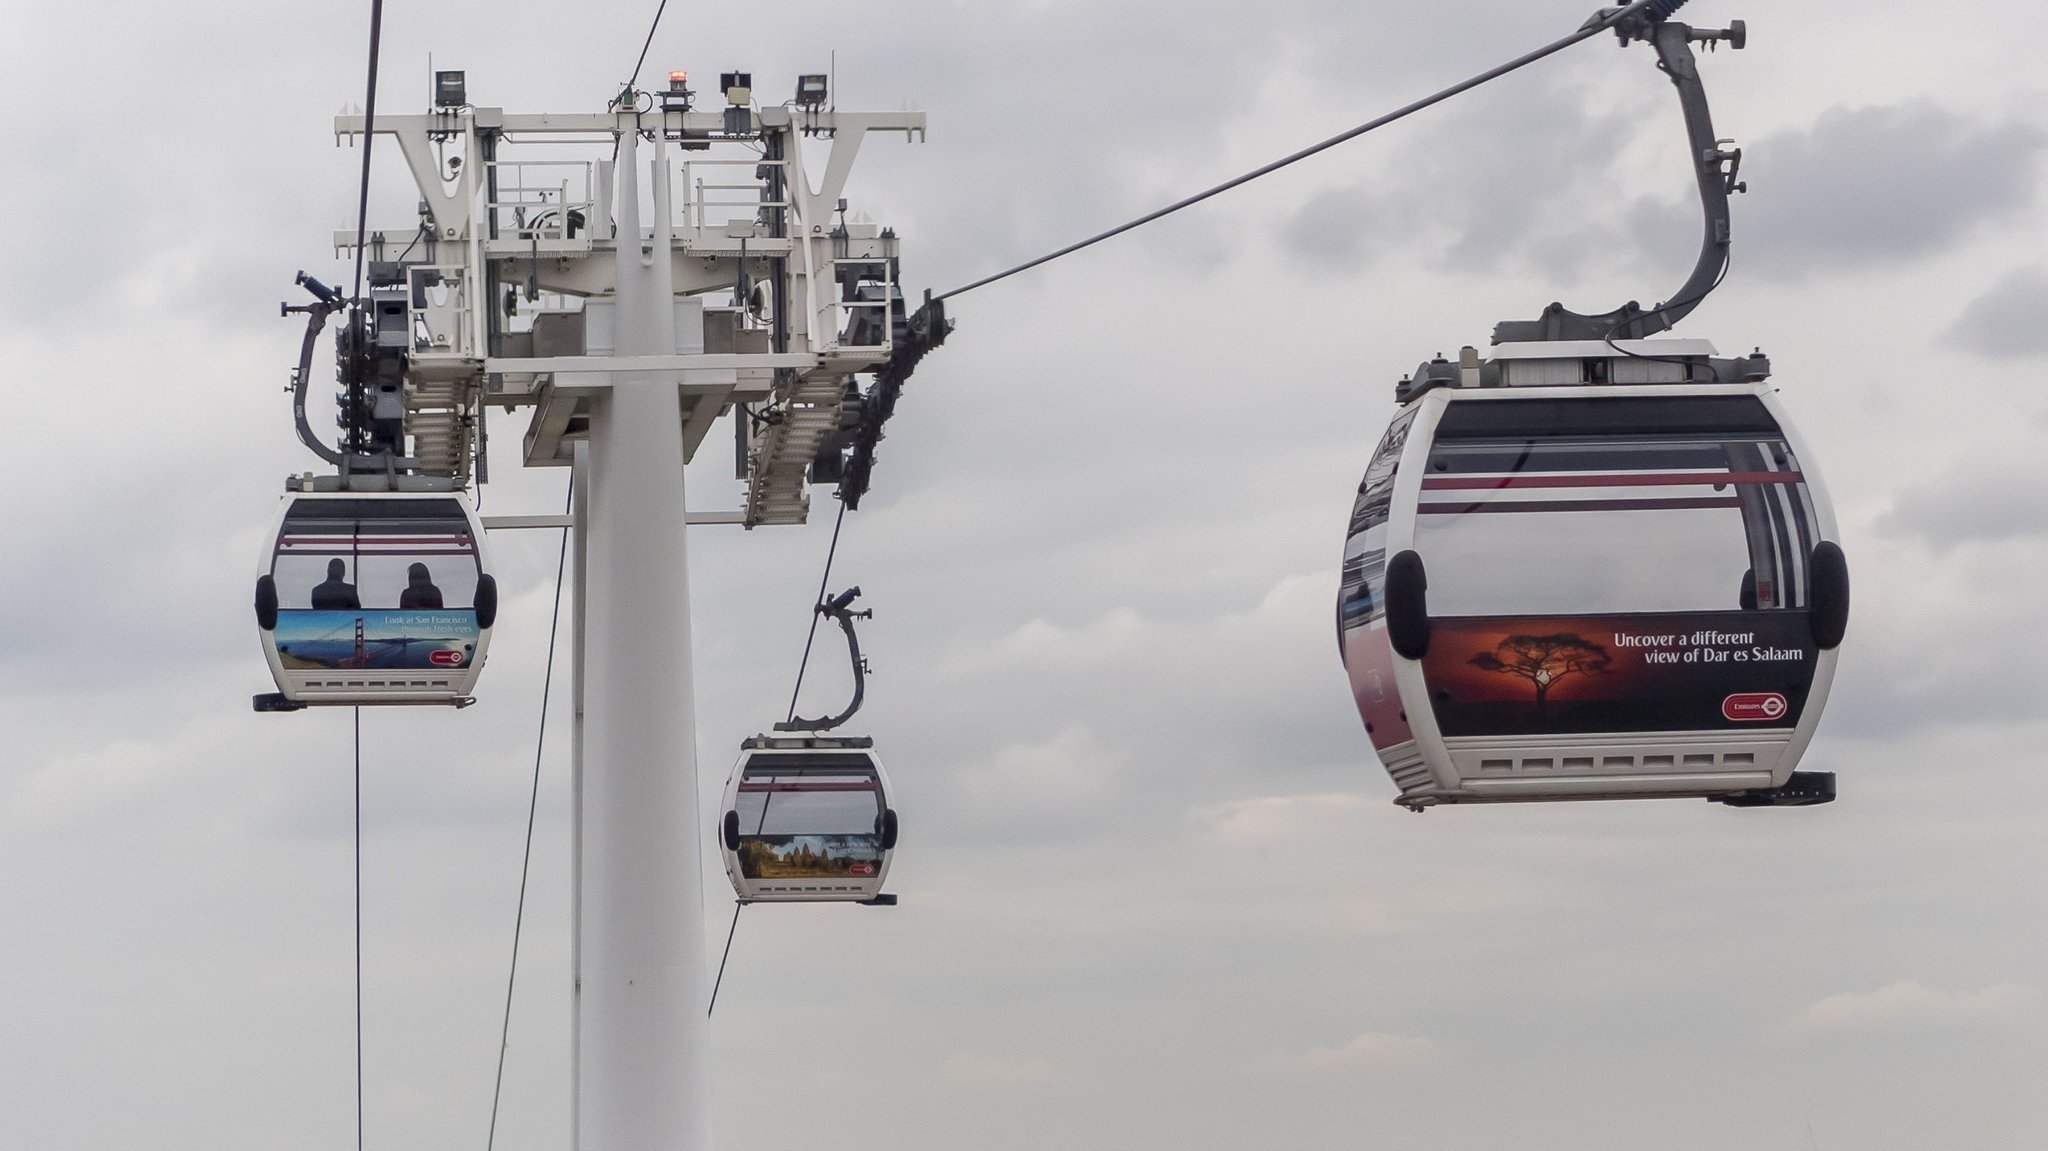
pixel 1505 179
pixel 1080 546
pixel 1865 187
pixel 2010 320
pixel 1992 496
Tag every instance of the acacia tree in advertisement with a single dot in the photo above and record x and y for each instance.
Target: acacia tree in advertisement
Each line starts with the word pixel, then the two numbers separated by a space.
pixel 1543 660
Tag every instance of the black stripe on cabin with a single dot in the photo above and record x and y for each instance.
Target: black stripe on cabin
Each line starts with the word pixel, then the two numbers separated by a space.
pixel 1600 416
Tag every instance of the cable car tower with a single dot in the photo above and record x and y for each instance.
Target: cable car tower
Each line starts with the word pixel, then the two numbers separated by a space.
pixel 625 277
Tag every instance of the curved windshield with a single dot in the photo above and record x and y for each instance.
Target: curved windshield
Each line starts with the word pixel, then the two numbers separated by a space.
pixel 809 816
pixel 1365 545
pixel 1558 507
pixel 367 554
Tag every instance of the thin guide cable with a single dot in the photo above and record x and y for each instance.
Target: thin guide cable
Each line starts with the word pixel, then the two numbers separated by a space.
pixel 737 907
pixel 824 581
pixel 648 43
pixel 359 925
pixel 369 138
pixel 532 810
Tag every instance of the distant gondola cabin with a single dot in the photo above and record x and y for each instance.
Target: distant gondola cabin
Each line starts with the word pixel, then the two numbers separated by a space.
pixel 807 819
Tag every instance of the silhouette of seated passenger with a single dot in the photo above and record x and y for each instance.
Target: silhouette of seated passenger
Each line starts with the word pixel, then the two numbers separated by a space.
pixel 420 591
pixel 336 593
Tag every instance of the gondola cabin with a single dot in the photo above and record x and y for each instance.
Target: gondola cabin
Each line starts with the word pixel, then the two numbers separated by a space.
pixel 1583 571
pixel 807 819
pixel 375 598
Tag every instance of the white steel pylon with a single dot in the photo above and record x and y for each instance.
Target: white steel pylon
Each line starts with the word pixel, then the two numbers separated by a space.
pixel 536 283
pixel 643 1079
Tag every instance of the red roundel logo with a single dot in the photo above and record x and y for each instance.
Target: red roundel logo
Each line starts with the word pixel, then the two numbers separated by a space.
pixel 445 658
pixel 1755 706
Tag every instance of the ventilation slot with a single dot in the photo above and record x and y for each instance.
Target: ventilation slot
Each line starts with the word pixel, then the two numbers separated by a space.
pixel 1409 773
pixel 428 683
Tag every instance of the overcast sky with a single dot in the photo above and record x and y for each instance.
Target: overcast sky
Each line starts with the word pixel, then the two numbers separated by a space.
pixel 1155 894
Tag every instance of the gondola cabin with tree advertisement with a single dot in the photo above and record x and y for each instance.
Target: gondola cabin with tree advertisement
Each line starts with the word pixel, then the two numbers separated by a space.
pixel 807 819
pixel 1598 565
pixel 1593 591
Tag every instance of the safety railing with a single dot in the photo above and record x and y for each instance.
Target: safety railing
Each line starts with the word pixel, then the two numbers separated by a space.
pixel 550 201
pixel 717 191
pixel 864 322
pixel 438 299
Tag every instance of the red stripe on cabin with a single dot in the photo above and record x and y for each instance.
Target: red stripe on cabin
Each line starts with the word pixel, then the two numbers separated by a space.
pixel 1610 480
pixel 1448 508
pixel 372 541
pixel 372 553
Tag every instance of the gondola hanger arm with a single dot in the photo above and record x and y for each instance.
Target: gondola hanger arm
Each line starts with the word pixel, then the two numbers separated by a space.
pixel 326 301
pixel 839 609
pixel 1715 170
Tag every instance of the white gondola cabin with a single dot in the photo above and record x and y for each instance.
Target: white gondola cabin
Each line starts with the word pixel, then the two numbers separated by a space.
pixel 808 819
pixel 375 598
pixel 1589 572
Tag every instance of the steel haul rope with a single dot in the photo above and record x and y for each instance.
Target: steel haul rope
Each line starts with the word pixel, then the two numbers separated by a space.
pixel 547 683
pixel 824 581
pixel 1599 23
pixel 359 924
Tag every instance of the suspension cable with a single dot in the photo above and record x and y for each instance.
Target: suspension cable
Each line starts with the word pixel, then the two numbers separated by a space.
pixel 359 925
pixel 737 907
pixel 1593 27
pixel 824 581
pixel 532 809
pixel 647 44
pixel 369 136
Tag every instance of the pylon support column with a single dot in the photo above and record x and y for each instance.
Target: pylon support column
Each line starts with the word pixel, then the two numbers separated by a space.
pixel 642 1065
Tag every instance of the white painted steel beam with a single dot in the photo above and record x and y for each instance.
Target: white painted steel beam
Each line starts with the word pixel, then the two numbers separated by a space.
pixel 518 523
pixel 653 362
pixel 643 1071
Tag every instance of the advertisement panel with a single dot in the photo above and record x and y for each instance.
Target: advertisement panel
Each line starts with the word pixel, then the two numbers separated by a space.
pixel 810 856
pixel 1682 671
pixel 330 640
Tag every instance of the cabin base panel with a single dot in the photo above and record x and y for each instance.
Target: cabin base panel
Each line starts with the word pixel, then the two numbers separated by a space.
pixel 818 892
pixel 1527 769
pixel 376 689
pixel 1406 767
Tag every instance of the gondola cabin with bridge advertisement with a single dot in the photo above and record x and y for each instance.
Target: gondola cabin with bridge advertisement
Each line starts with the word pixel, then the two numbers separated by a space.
pixel 808 819
pixel 1581 571
pixel 375 598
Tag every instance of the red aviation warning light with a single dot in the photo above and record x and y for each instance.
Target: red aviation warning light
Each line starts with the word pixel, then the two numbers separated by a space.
pixel 678 96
